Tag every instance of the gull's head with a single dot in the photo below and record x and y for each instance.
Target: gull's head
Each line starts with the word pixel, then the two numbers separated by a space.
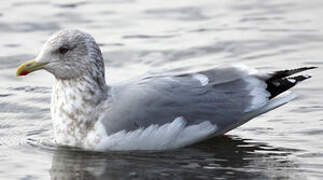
pixel 67 54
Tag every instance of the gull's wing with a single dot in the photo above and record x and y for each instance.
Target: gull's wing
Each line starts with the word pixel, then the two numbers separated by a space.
pixel 226 97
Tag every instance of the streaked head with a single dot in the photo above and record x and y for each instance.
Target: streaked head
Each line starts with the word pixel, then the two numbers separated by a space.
pixel 67 54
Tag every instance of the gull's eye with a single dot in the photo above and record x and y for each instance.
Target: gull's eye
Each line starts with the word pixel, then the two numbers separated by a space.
pixel 63 50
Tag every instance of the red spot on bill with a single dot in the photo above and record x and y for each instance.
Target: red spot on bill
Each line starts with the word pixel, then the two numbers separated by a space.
pixel 23 73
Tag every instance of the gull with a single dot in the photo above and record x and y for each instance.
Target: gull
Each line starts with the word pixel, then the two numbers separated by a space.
pixel 152 111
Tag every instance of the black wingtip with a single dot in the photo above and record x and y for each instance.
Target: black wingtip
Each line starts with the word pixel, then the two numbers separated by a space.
pixel 285 73
pixel 281 81
pixel 311 67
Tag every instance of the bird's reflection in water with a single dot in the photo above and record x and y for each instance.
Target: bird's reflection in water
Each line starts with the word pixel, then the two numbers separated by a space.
pixel 222 157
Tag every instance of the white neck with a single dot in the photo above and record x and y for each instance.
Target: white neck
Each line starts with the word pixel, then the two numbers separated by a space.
pixel 74 108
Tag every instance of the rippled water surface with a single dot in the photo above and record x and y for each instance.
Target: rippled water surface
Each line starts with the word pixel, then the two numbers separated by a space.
pixel 136 36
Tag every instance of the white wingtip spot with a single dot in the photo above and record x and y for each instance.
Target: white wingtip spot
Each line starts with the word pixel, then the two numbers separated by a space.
pixel 292 80
pixel 276 83
pixel 202 78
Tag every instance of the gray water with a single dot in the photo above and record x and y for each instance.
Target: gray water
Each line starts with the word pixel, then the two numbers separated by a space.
pixel 137 36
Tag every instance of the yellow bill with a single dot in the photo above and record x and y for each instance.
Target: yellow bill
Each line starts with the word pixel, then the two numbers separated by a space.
pixel 29 67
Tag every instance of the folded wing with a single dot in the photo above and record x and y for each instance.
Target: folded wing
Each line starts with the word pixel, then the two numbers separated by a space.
pixel 226 97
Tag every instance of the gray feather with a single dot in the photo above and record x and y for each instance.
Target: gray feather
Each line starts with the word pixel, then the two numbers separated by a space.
pixel 160 99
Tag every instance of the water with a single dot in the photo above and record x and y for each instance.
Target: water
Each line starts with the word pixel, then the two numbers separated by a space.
pixel 136 36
